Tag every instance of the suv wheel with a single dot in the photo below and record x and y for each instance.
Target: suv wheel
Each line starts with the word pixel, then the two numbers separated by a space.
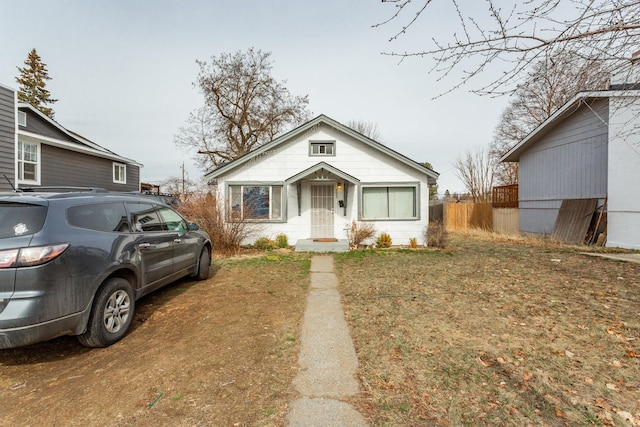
pixel 203 265
pixel 111 314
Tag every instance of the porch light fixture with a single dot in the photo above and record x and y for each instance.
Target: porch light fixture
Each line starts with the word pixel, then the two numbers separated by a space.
pixel 339 186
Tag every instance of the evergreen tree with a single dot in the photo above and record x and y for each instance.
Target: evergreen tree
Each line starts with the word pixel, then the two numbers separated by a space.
pixel 33 80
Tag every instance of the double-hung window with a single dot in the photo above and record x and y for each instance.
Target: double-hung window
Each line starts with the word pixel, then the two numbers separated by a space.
pixel 119 173
pixel 256 202
pixel 390 201
pixel 28 162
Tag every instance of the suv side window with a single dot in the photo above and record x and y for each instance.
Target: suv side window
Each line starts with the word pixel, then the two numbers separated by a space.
pixel 172 219
pixel 100 217
pixel 144 217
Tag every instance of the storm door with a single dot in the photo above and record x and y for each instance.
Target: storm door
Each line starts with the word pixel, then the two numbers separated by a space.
pixel 322 210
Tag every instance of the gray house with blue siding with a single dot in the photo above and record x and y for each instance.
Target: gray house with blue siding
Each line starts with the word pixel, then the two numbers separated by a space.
pixel 588 149
pixel 36 151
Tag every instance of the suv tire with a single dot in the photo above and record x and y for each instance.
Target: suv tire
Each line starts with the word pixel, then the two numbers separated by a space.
pixel 111 314
pixel 203 265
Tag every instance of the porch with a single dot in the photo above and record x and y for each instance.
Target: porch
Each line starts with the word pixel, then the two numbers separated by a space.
pixel 322 245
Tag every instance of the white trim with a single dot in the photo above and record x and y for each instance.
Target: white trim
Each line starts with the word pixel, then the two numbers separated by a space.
pixel 75 147
pixel 561 113
pixel 8 87
pixel 416 200
pixel 38 164
pixel 320 144
pixel 22 115
pixel 95 149
pixel 309 126
pixel 113 173
pixel 15 137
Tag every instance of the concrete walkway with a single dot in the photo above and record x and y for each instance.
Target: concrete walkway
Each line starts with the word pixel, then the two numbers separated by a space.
pixel 327 358
pixel 635 257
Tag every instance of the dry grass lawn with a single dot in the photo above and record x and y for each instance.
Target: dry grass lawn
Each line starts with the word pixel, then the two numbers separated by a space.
pixel 487 331
pixel 494 331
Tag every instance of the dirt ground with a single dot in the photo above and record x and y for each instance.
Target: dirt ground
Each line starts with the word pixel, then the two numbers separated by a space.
pixel 218 352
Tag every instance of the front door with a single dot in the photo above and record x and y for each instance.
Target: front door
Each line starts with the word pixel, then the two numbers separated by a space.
pixel 322 209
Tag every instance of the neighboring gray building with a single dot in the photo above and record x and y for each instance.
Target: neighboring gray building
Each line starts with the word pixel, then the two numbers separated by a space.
pixel 588 149
pixel 7 136
pixel 37 151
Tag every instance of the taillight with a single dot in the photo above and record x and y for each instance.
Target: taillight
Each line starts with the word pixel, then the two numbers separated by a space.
pixel 8 258
pixel 28 257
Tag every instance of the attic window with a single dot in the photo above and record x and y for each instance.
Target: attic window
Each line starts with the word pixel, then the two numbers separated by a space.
pixel 322 148
pixel 22 118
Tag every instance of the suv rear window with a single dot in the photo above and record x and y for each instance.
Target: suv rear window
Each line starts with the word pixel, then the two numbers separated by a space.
pixel 100 217
pixel 19 219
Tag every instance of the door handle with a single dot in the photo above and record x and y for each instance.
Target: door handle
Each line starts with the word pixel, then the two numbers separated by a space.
pixel 144 245
pixel 177 240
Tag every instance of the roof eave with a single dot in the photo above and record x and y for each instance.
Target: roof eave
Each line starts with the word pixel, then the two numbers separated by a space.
pixel 513 155
pixel 78 148
pixel 432 175
pixel 74 135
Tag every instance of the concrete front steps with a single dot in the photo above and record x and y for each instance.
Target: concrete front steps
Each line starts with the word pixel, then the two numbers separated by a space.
pixel 322 245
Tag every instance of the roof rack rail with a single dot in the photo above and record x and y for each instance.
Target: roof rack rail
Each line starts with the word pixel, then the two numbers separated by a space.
pixel 61 189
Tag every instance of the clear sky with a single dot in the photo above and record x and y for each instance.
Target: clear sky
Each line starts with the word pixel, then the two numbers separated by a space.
pixel 123 71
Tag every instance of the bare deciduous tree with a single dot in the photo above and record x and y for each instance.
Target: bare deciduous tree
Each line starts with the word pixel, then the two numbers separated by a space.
pixel 368 129
pixel 515 35
pixel 550 83
pixel 245 107
pixel 183 187
pixel 476 171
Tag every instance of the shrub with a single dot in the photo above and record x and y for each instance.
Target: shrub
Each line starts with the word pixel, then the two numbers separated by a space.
pixel 436 235
pixel 282 241
pixel 263 243
pixel 359 232
pixel 383 241
pixel 413 243
pixel 208 211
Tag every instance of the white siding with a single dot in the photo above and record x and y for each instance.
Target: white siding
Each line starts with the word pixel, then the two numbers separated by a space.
pixel 623 222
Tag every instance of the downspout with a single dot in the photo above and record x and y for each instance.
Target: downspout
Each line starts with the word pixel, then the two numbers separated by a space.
pixel 299 191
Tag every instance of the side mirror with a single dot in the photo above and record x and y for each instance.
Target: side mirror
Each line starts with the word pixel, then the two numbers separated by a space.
pixel 193 226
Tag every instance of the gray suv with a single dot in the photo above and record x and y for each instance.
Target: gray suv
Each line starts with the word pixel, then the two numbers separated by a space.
pixel 75 263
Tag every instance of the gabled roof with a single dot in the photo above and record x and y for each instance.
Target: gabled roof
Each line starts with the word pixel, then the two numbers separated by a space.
pixel 322 167
pixel 560 115
pixel 226 167
pixel 79 144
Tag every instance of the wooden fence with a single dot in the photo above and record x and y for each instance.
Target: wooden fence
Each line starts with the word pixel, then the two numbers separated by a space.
pixel 460 216
pixel 436 213
pixel 505 220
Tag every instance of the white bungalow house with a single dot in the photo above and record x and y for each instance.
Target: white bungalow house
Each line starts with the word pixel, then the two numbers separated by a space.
pixel 312 182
